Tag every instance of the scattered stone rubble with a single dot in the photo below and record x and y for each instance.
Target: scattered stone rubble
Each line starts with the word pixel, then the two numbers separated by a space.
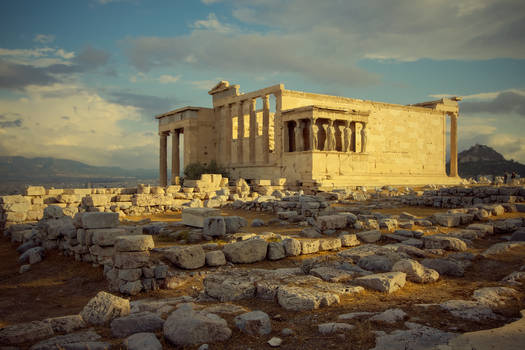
pixel 367 250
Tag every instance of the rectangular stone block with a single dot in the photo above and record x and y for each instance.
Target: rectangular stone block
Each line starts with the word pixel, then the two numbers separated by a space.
pixel 96 200
pixel 105 237
pixel 35 191
pixel 195 216
pixel 54 191
pixel 131 260
pixel 99 220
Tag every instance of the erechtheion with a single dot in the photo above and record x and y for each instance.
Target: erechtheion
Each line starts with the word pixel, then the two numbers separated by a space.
pixel 313 140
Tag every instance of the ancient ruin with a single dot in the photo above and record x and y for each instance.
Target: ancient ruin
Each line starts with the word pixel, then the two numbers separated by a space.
pixel 313 140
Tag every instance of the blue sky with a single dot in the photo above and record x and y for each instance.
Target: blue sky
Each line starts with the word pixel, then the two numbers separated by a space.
pixel 83 79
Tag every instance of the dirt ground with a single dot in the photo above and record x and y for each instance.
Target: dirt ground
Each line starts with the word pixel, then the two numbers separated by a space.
pixel 60 286
pixel 57 286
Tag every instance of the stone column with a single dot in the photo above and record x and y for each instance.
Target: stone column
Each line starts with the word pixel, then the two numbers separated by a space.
pixel 163 164
pixel 453 145
pixel 266 128
pixel 175 156
pixel 240 133
pixel 228 136
pixel 253 130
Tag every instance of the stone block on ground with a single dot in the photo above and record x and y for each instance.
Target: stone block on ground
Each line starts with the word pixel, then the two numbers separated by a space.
pixel 195 216
pixel 99 220
pixel 214 226
pixel 254 323
pixel 215 258
pixel 276 251
pixel 66 324
pixel 246 252
pixel 292 247
pixel 79 340
pixel 25 332
pixel 334 327
pixel 104 307
pixel 187 327
pixel 444 242
pixel 349 240
pixel 146 321
pixel 142 341
pixel 415 271
pixel 447 267
pixel 188 257
pixel 135 243
pixel 384 282
pixel 369 236
pixel 131 260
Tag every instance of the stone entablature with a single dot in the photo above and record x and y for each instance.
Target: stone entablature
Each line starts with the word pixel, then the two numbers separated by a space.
pixel 313 139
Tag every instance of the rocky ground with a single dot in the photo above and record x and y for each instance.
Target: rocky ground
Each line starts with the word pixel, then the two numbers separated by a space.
pixel 399 278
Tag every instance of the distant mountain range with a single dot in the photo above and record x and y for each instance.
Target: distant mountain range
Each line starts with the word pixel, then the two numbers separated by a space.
pixel 44 170
pixel 483 160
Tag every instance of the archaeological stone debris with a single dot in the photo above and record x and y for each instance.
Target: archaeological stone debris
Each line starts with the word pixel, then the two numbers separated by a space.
pixel 391 267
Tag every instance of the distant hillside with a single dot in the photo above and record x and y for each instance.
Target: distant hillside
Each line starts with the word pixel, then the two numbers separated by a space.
pixel 29 170
pixel 483 160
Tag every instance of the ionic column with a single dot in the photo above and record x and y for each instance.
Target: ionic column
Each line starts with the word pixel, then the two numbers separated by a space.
pixel 453 145
pixel 266 128
pixel 175 156
pixel 163 159
pixel 253 130
pixel 240 133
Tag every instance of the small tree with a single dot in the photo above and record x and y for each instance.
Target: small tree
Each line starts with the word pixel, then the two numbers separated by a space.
pixel 194 171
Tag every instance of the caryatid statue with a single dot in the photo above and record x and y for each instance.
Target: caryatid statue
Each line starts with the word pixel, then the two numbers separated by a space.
pixel 364 137
pixel 325 128
pixel 331 137
pixel 298 136
pixel 347 138
pixel 314 129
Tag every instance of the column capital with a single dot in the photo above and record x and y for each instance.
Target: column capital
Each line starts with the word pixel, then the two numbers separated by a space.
pixel 164 133
pixel 266 98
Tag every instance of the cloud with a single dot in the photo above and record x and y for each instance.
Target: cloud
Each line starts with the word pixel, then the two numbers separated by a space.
pixel 168 79
pixel 148 105
pixel 508 102
pixel 209 2
pixel 44 38
pixel 205 84
pixel 212 23
pixel 4 123
pixel 18 76
pixel 15 75
pixel 249 53
pixel 404 30
pixel 98 131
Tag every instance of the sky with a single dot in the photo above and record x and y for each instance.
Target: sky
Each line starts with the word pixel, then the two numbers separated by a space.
pixel 84 79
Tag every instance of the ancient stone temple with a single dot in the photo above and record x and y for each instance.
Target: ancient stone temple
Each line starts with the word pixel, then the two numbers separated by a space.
pixel 312 139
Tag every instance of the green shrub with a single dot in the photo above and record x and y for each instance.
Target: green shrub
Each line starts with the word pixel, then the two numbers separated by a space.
pixel 194 171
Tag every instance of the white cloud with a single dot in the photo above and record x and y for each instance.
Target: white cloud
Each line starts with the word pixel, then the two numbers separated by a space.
pixel 213 24
pixel 44 38
pixel 168 79
pixel 205 84
pixel 64 54
pixel 37 57
pixel 95 130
